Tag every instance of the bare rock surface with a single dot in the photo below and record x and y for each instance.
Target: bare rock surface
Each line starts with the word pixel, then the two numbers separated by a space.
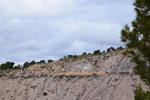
pixel 108 76
pixel 105 87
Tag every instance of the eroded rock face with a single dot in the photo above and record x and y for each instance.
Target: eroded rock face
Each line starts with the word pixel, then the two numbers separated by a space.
pixel 110 62
pixel 39 82
pixel 106 87
pixel 126 67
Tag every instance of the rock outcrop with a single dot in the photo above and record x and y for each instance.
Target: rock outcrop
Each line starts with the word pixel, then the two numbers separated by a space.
pixel 90 77
pixel 105 87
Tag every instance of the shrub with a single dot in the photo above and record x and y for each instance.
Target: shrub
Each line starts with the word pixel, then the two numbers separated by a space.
pixel 84 53
pixel 120 48
pixel 7 65
pixel 96 52
pixel 110 49
pixel 70 56
pixel 103 51
pixel 32 62
pixel 42 62
pixel 18 67
pixel 139 94
pixel 26 64
pixel 75 56
pixel 49 61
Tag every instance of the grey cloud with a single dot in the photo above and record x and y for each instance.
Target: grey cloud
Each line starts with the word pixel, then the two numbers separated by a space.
pixel 83 28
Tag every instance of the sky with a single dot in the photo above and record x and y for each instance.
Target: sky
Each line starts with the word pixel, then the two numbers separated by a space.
pixel 50 29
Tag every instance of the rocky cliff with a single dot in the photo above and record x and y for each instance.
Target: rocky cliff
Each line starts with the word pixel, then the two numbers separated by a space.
pixel 108 76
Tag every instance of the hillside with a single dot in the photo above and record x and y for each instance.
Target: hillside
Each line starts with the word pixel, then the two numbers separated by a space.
pixel 107 76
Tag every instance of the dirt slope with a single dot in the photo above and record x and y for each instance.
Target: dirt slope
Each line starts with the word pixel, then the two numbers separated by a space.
pixel 89 77
pixel 105 87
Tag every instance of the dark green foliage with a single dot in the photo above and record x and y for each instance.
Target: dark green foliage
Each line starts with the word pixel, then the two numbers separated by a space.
pixel 138 39
pixel 140 94
pixel 104 52
pixel 75 56
pixel 131 39
pixel 42 62
pixel 32 62
pixel 96 52
pixel 7 65
pixel 49 61
pixel 26 64
pixel 18 67
pixel 70 55
pixel 125 53
pixel 120 48
pixel 129 52
pixel 84 53
pixel 110 49
pixel 142 69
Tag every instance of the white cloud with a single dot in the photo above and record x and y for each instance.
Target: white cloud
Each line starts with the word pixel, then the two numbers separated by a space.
pixel 90 31
pixel 49 29
pixel 36 7
pixel 78 47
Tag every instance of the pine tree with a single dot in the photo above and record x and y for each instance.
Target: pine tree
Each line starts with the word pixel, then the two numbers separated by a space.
pixel 138 39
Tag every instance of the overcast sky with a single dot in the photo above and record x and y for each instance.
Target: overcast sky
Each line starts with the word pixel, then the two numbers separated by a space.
pixel 49 29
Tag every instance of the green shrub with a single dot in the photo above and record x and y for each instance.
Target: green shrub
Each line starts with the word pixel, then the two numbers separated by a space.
pixel 96 52
pixel 139 94
pixel 110 49
pixel 84 53
pixel 42 62
pixel 120 48
pixel 7 65
pixel 49 61
pixel 75 56
pixel 18 67
pixel 70 56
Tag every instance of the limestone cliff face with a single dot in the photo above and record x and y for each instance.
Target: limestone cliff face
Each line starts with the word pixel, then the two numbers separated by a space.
pixel 43 81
